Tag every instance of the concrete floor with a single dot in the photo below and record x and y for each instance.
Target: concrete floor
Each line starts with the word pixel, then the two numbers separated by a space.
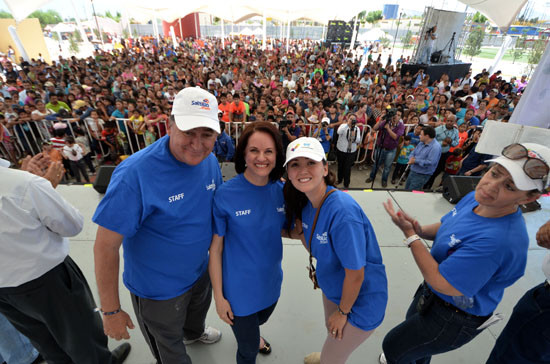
pixel 296 327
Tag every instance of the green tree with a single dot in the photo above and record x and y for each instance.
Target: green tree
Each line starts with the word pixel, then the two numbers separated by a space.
pixel 77 37
pixel 473 43
pixel 46 17
pixel 116 17
pixel 74 47
pixel 374 16
pixel 5 15
pixel 535 53
pixel 385 42
pixel 479 18
pixel 520 46
pixel 362 17
pixel 407 39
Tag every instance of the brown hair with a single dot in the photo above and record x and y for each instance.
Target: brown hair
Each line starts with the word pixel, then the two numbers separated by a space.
pixel 295 200
pixel 264 127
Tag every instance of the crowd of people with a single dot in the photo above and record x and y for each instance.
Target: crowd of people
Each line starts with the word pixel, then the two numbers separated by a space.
pixel 118 102
pixel 274 114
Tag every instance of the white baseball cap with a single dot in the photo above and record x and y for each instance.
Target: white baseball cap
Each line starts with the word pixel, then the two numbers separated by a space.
pixel 305 147
pixel 193 108
pixel 515 167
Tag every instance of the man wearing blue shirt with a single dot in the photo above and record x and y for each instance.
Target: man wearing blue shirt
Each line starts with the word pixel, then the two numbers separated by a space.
pixel 159 207
pixel 423 159
pixel 447 136
pixel 223 148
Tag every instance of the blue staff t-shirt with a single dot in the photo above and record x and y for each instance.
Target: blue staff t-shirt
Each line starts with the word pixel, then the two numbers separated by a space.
pixel 344 239
pixel 250 218
pixel 163 208
pixel 480 256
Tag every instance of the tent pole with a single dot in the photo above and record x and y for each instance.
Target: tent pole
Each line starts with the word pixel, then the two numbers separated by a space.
pixel 264 35
pixel 19 44
pixel 79 24
pixel 98 28
pixel 223 34
pixel 181 30
pixel 354 34
pixel 396 32
pixel 287 35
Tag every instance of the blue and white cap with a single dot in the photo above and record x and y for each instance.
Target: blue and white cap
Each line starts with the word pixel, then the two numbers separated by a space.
pixel 305 147
pixel 193 108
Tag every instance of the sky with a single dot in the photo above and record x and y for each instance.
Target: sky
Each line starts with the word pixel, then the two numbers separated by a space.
pixel 84 7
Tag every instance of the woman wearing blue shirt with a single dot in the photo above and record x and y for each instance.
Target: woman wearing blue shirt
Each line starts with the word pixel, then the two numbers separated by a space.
pixel 479 249
pixel 246 250
pixel 349 264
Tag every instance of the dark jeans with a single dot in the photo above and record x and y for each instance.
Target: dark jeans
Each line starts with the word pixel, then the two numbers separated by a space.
pixel 164 324
pixel 526 337
pixel 416 181
pixel 56 312
pixel 385 157
pixel 247 333
pixel 78 167
pixel 440 168
pixel 89 163
pixel 439 330
pixel 345 162
pixel 398 171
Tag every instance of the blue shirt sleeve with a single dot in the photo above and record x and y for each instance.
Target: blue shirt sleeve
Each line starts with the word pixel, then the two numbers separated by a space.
pixel 110 215
pixel 219 216
pixel 348 239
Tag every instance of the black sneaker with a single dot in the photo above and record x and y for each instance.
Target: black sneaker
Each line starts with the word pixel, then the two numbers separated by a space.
pixel 120 353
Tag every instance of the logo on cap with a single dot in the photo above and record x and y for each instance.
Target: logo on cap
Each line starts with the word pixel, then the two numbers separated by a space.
pixel 204 104
pixel 295 147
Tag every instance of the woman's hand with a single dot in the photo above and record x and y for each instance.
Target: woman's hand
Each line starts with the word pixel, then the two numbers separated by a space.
pixel 335 325
pixel 406 223
pixel 223 308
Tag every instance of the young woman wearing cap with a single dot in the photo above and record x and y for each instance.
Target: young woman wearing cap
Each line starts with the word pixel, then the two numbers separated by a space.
pixel 479 249
pixel 349 264
pixel 245 263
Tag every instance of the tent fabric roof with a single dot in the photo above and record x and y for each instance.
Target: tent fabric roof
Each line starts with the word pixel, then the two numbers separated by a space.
pixel 501 12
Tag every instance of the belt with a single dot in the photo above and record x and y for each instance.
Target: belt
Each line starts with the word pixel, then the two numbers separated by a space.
pixel 444 303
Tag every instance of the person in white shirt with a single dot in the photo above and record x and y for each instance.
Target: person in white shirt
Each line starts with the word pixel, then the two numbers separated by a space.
pixel 43 293
pixel 429 41
pixel 349 137
pixel 74 153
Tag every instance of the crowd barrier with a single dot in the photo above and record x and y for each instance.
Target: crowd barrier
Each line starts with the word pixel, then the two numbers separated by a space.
pixel 27 137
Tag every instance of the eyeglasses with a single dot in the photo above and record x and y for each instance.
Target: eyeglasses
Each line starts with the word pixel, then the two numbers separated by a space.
pixel 534 167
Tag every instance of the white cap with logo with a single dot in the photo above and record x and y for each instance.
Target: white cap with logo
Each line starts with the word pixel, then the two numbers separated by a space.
pixel 193 108
pixel 515 167
pixel 305 147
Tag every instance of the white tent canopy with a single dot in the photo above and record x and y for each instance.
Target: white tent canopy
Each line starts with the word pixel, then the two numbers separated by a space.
pixel 107 25
pixel 64 28
pixel 501 12
pixel 373 35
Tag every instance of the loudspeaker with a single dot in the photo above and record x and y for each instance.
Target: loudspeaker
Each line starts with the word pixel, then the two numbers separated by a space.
pixel 103 178
pixel 456 187
pixel 340 31
pixel 435 57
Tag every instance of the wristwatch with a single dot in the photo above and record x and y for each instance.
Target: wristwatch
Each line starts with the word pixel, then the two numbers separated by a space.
pixel 411 239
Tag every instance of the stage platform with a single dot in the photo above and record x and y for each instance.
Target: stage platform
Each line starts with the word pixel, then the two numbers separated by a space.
pixel 296 327
pixel 435 71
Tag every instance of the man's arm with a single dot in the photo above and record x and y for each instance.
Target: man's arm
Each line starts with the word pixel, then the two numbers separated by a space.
pixel 106 260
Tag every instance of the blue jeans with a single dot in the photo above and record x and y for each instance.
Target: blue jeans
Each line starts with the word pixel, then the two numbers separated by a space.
pixel 14 347
pixel 247 333
pixel 426 54
pixel 416 181
pixel 439 330
pixel 526 337
pixel 386 158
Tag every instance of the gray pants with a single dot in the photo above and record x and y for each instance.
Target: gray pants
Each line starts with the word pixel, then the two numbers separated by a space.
pixel 165 323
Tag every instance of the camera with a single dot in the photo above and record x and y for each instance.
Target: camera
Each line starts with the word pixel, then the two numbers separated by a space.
pixel 390 113
pixel 353 123
pixel 431 30
pixel 324 124
pixel 284 123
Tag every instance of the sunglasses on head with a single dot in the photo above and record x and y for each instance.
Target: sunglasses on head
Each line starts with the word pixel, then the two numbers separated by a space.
pixel 534 168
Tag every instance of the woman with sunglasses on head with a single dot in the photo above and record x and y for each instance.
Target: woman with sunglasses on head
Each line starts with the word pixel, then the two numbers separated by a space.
pixel 479 249
pixel 246 250
pixel 335 231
